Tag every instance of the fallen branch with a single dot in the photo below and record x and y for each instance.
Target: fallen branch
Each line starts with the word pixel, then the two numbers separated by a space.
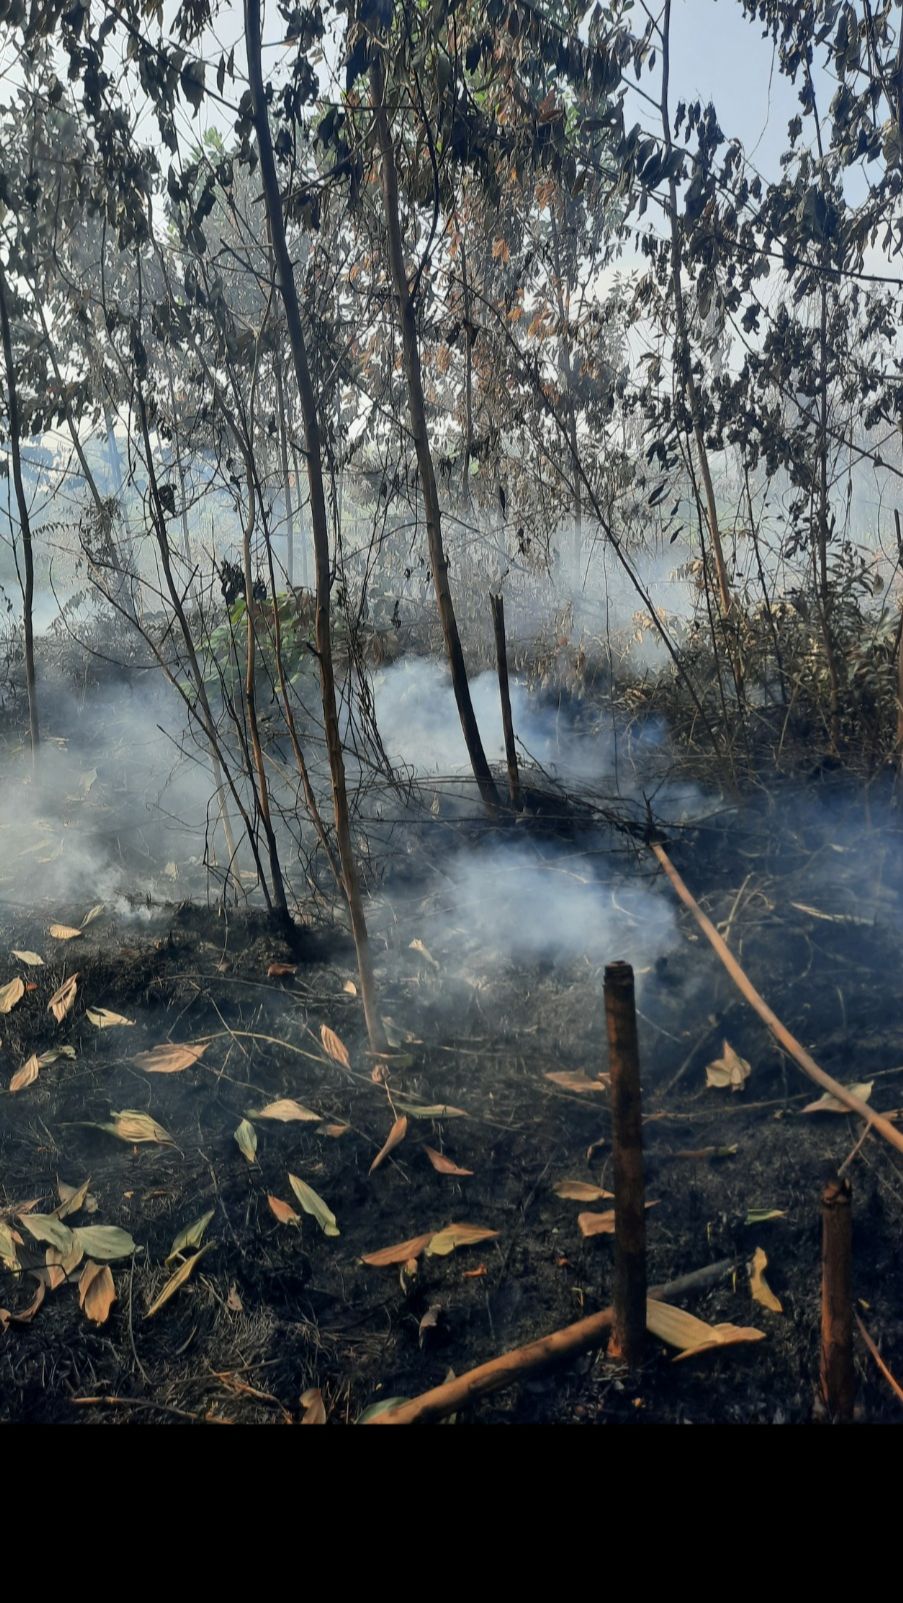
pixel 782 1035
pixel 523 1361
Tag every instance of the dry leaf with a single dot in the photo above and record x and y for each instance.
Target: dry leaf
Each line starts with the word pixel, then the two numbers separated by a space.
pixel 27 1074
pixel 285 1110
pixel 135 1127
pixel 62 1000
pixel 761 1216
pixel 177 1280
pixel 680 1329
pixel 170 1058
pixel 314 1205
pixel 314 1407
pixel 334 1130
pixel 435 1110
pixel 728 1070
pixel 66 1261
pixel 350 988
pixel 191 1236
pixel 759 1286
pixel 429 1321
pixel 396 1135
pixel 445 1241
pixel 832 1104
pixel 580 1191
pixel 246 1137
pixel 104 1019
pixel 11 994
pixel 601 1224
pixel 579 1082
pixel 333 1047
pixel 31 958
pixel 276 970
pixel 476 1274
pixel 234 1301
pixel 96 1292
pixel 444 1165
pixel 64 932
pixel 418 946
pixel 92 914
pixel 27 1314
pixel 400 1253
pixel 285 1214
pixel 73 1198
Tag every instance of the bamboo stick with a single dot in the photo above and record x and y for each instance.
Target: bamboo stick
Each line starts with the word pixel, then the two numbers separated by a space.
pixel 781 1034
pixel 837 1375
pixel 522 1361
pixel 629 1296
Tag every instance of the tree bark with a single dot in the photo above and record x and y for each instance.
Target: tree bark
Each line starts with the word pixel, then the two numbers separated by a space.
pixel 319 521
pixel 24 519
pixel 417 409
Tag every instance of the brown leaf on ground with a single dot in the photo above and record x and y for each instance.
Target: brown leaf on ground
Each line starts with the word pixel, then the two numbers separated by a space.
pixel 396 1135
pixel 285 1214
pixel 314 1407
pixel 579 1082
pixel 285 1110
pixel 400 1253
pixel 832 1104
pixel 691 1335
pixel 334 1047
pixel 64 932
pixel 728 1070
pixel 476 1274
pixel 758 1285
pixel 444 1165
pixel 11 994
pixel 31 958
pixel 96 1292
pixel 170 1058
pixel 601 1224
pixel 445 1241
pixel 27 1074
pixel 580 1191
pixel 177 1280
pixel 61 1001
pixel 278 970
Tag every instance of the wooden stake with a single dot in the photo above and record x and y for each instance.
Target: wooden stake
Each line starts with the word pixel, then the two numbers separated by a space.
pixel 630 1188
pixel 838 1380
pixel 522 1361
pixel 501 653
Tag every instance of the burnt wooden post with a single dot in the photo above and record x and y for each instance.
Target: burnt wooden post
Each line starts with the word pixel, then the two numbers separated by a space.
pixel 629 1299
pixel 501 653
pixel 838 1379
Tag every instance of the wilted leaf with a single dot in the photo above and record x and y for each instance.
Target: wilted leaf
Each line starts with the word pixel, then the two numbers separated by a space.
pixel 104 1019
pixel 277 970
pixel 579 1082
pixel 135 1127
pixel 444 1165
pixel 400 1253
pixel 418 946
pixel 65 1261
pixel 64 932
pixel 73 1198
pixel 62 1000
pixel 580 1191
pixel 314 1205
pixel 285 1110
pixel 104 1241
pixel 11 994
pixel 27 1075
pixel 761 1216
pixel 429 1321
pixel 832 1104
pixel 728 1070
pixel 285 1214
pixel 334 1047
pixel 46 1228
pixel 314 1407
pixel 435 1110
pixel 8 1240
pixel 476 1274
pixel 234 1302
pixel 601 1224
pixel 246 1137
pixel 31 958
pixel 178 1279
pixel 350 988
pixel 445 1241
pixel 27 1314
pixel 759 1286
pixel 191 1236
pixel 375 1409
pixel 169 1058
pixel 396 1135
pixel 692 1335
pixel 96 1292
pixel 334 1130
pixel 92 914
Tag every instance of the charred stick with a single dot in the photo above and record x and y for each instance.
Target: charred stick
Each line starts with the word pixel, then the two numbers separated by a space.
pixel 629 1182
pixel 522 1361
pixel 838 1381
pixel 501 653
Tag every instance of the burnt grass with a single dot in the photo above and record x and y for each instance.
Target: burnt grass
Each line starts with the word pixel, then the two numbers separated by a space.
pixel 272 1310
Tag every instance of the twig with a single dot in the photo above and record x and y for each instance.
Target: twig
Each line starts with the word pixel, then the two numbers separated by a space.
pixel 894 1384
pixel 781 1034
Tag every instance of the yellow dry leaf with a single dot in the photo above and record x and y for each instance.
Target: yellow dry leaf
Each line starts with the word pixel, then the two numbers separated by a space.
pixel 334 1047
pixel 758 1285
pixel 11 994
pixel 691 1335
pixel 31 958
pixel 103 1019
pixel 580 1191
pixel 96 1292
pixel 402 1252
pixel 396 1135
pixel 170 1058
pixel 64 932
pixel 61 1001
pixel 350 988
pixel 314 1407
pixel 175 1281
pixel 445 1241
pixel 27 1074
pixel 730 1070
pixel 418 946
pixel 286 1110
pixel 832 1104
pixel 578 1081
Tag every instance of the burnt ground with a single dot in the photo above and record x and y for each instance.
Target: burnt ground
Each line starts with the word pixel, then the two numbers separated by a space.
pixel 813 910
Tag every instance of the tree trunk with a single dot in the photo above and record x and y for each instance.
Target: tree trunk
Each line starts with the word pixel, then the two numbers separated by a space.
pixel 287 488
pixel 417 409
pixel 285 280
pixel 24 519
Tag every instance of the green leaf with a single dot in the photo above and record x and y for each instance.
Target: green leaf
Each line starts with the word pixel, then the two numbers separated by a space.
pixel 315 1206
pixel 375 1409
pixel 104 1241
pixel 191 1236
pixel 45 1228
pixel 761 1216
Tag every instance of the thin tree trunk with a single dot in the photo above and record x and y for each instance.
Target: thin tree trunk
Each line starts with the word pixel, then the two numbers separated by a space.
pixel 24 519
pixel 289 510
pixel 501 654
pixel 417 409
pixel 285 279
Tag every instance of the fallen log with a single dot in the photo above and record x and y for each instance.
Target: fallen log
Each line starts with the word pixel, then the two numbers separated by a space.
pixel 791 1045
pixel 522 1361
